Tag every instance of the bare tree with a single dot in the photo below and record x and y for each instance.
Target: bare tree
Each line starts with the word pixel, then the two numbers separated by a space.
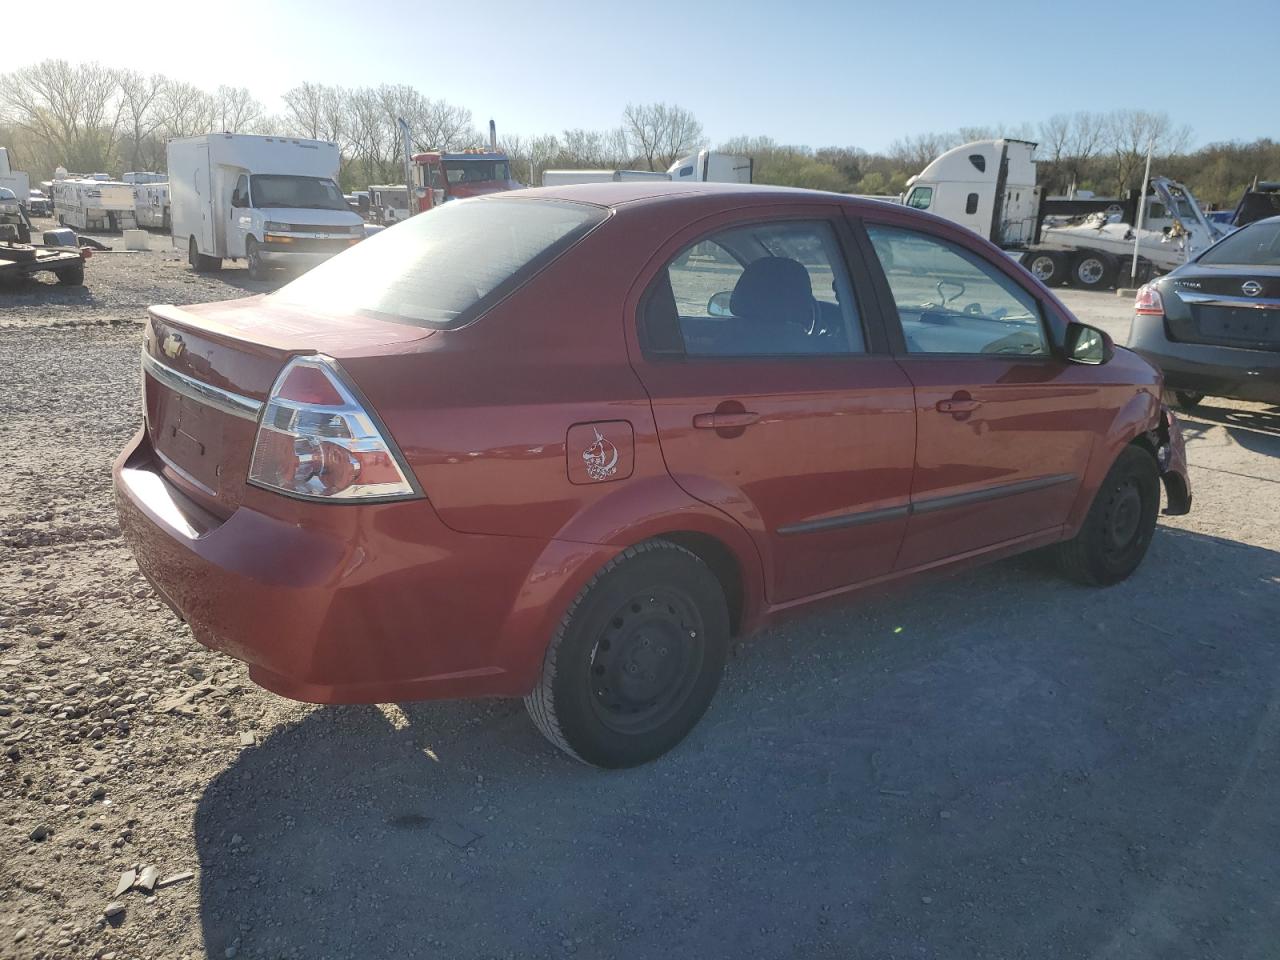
pixel 237 110
pixel 660 133
pixel 1131 133
pixel 143 119
pixel 187 110
pixel 74 111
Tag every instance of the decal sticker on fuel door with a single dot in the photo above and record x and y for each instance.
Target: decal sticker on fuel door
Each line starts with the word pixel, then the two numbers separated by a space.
pixel 600 452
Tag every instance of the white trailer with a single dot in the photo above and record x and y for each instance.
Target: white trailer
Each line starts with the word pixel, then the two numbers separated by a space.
pixel 990 187
pixel 390 202
pixel 15 180
pixel 151 204
pixel 273 201
pixel 94 204
pixel 712 166
pixel 559 178
pixel 140 176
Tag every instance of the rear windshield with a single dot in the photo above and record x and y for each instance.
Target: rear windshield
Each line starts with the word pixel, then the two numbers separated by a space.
pixel 444 267
pixel 1255 245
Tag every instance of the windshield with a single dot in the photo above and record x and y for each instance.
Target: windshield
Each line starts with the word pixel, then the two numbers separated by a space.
pixel 475 171
pixel 308 193
pixel 1255 245
pixel 446 266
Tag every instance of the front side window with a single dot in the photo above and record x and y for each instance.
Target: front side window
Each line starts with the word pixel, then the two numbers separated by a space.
pixel 920 198
pixel 766 289
pixel 951 301
pixel 444 267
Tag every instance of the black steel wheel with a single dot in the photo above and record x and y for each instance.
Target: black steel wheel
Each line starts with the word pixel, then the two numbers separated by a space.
pixel 636 660
pixel 1115 535
pixel 1048 268
pixel 253 253
pixel 1093 271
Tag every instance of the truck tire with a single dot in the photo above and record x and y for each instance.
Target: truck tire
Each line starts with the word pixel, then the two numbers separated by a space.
pixel 257 269
pixel 636 659
pixel 1093 270
pixel 1049 268
pixel 199 262
pixel 71 276
pixel 17 253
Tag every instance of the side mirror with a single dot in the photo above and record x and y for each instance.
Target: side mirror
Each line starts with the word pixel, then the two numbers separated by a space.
pixel 718 305
pixel 1086 344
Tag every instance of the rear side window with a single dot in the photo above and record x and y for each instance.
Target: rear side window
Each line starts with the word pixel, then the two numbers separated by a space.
pixel 446 266
pixel 971 203
pixel 761 290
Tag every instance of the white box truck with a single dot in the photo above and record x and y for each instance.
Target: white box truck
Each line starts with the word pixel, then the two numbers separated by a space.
pixel 272 201
pixel 15 180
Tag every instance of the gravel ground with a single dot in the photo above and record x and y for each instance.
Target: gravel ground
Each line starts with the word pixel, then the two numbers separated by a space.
pixel 997 764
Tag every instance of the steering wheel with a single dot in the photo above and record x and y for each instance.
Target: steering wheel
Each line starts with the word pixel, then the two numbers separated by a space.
pixel 949 283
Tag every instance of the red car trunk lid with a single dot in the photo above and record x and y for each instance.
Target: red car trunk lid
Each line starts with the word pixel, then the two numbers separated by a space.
pixel 208 369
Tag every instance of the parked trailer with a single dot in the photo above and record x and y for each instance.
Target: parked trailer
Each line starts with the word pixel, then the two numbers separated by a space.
pixel 151 205
pixel 20 260
pixel 141 176
pixel 990 187
pixel 559 178
pixel 389 202
pixel 94 204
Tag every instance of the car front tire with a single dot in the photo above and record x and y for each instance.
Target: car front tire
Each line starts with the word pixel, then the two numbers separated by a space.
pixel 1120 524
pixel 636 659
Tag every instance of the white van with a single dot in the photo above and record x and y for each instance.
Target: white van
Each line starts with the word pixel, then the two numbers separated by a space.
pixel 273 201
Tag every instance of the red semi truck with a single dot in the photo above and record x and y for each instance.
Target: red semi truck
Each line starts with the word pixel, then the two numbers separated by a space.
pixel 439 177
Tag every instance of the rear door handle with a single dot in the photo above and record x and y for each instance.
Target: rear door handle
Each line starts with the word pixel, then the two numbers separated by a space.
pixel 724 421
pixel 958 405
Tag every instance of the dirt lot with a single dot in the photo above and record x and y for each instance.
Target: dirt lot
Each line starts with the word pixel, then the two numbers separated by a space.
pixel 994 765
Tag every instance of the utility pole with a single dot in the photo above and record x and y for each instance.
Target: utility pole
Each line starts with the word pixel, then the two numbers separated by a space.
pixel 1142 210
pixel 403 125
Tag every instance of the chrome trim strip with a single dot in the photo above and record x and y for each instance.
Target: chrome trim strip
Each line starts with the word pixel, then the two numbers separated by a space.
pixel 845 520
pixel 1228 300
pixel 950 500
pixel 246 408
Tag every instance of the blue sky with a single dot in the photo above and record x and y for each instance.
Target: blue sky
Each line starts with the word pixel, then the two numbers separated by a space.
pixel 819 72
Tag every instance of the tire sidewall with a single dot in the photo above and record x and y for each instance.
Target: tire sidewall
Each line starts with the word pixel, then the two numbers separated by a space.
pixel 1139 465
pixel 667 567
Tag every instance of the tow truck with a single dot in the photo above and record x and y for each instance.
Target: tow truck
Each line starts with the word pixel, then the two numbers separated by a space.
pixel 435 177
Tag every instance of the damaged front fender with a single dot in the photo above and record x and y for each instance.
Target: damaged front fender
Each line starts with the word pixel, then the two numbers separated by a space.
pixel 1171 454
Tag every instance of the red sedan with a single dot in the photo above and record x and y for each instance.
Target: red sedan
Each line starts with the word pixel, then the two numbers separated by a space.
pixel 564 444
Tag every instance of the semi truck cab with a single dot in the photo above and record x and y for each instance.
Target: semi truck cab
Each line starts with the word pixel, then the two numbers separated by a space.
pixel 440 177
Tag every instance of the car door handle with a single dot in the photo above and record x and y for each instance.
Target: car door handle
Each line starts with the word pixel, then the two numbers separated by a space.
pixel 724 421
pixel 958 405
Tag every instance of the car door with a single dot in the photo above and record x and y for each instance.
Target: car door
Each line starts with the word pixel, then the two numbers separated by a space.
pixel 773 395
pixel 240 217
pixel 1004 426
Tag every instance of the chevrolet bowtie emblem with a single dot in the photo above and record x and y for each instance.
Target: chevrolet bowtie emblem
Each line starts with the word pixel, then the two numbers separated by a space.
pixel 172 346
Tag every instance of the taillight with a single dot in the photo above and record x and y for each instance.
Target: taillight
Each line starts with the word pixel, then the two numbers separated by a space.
pixel 316 440
pixel 1148 302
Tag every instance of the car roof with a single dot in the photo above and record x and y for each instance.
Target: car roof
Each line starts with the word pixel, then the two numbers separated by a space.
pixel 618 193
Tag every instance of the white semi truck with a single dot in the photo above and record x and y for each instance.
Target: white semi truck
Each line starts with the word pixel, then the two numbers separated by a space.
pixel 712 166
pixel 272 201
pixel 990 187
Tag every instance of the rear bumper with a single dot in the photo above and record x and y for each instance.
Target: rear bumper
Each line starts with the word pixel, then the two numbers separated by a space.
pixel 350 603
pixel 1207 368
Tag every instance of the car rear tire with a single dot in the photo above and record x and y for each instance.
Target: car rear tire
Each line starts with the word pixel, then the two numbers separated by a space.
pixel 1048 268
pixel 1121 522
pixel 1093 271
pixel 636 659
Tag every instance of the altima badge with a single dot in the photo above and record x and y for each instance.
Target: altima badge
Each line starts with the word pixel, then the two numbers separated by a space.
pixel 172 346
pixel 1251 288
